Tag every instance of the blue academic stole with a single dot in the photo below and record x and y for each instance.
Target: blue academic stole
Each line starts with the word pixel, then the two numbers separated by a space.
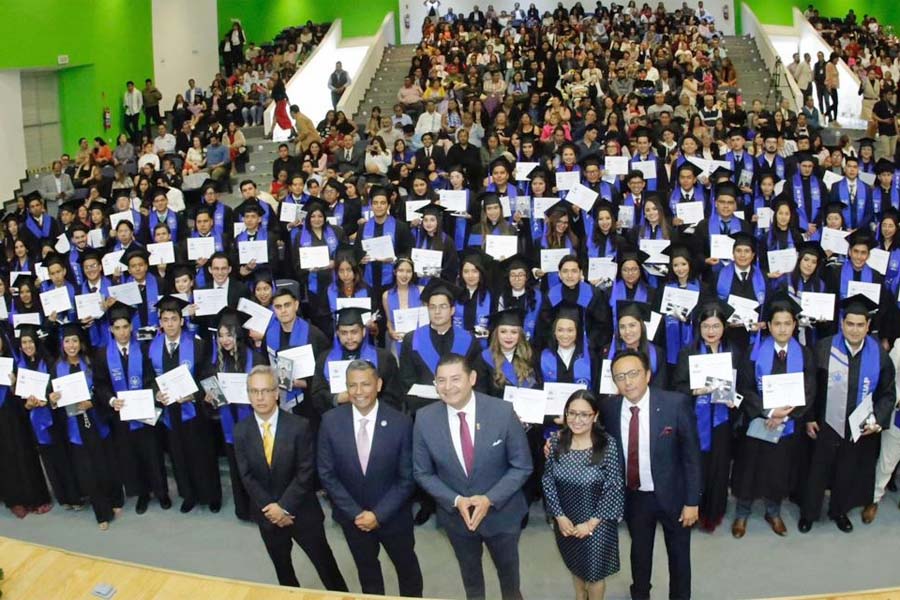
pixel 151 284
pixel 261 235
pixel 582 372
pixel 652 184
pixel 306 241
pixel 869 364
pixel 219 218
pixel 421 344
pixel 512 192
pixel 855 212
pixel 62 368
pixel 866 276
pixel 367 352
pixel 678 335
pixel 815 193
pixel 619 292
pixel 879 202
pixel 299 337
pixel 41 417
pixel 779 165
pixel 389 228
pixel 594 251
pixel 41 232
pixel 482 310
pixel 130 377
pixel 232 414
pixel 765 356
pixel 459 226
pixel 75 267
pixel 726 278
pixel 171 221
pixel 709 415
pixel 333 296
pixel 697 195
pixel 412 299
pixel 186 356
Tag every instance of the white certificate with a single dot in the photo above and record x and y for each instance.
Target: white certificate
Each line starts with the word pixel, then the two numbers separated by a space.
pixel 454 200
pixel 234 386
pixel 118 217
pixel 304 360
pixel 678 300
pixel 558 394
pixel 764 216
pixel 6 369
pixel 786 389
pixel 602 269
pixel 409 319
pixel 62 244
pixel 817 306
pixel 550 258
pixel 55 301
pixel 524 169
pixel 701 366
pixel 872 291
pixel 626 216
pixel 211 301
pixel 653 324
pixel 288 212
pixel 859 416
pixel 427 262
pixel 744 309
pixel 337 375
pixel 647 167
pixel 200 247
pixel 314 257
pixel 72 388
pixel 32 318
pixel 878 260
pixel 830 178
pixel 654 249
pixel 412 207
pixel 257 250
pixel 721 246
pixel 364 303
pixel 162 253
pixel 40 272
pixel 834 240
pixel 238 229
pixel 607 385
pixel 615 165
pixel 177 383
pixel 689 212
pixel 529 404
pixel 14 274
pixel 566 180
pixel 504 204
pixel 541 205
pixel 96 239
pixel 429 392
pixel 259 315
pixel 32 383
pixel 138 405
pixel 126 293
pixel 379 248
pixel 782 261
pixel 89 306
pixel 110 262
pixel 582 196
pixel 500 247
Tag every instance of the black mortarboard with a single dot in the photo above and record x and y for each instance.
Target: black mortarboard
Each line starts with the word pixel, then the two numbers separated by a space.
pixel 439 287
pixel 766 172
pixel 803 157
pixel 488 198
pixel 884 166
pixel 55 258
pixel 435 210
pixel 501 161
pixel 350 315
pixel 181 269
pixel 709 307
pixel 511 316
pixel 735 131
pixel 813 248
pixel 28 330
pixel 119 311
pixel 263 274
pixel 171 302
pixel 858 304
pixel 35 195
pixel 691 167
pixel 208 186
pixel 720 172
pixel 141 252
pixel 539 171
pixel 353 252
pixel 559 208
pixel 97 205
pixel 70 329
pixel 519 261
pixel 91 253
pixel 70 206
pixel 10 216
pixel 205 209
pixel 632 174
pixel 21 279
pixel 767 133
pixel 835 206
pixel 727 189
pixel 631 253
pixel 590 160
pixel 866 141
pixel 639 310
pixel 675 250
pixel 861 237
pixel 608 206
pixel 742 238
pixel 781 301
pixel 232 318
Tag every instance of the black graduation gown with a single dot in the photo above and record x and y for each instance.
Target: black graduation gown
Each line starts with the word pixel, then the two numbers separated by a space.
pixel 391 392
pixel 596 318
pixel 413 368
pixel 21 477
pixel 761 469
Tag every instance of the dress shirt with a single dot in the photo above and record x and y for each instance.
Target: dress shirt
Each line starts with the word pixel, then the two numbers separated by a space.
pixel 644 441
pixel 742 274
pixel 261 423
pixel 164 143
pixel 453 420
pixel 371 418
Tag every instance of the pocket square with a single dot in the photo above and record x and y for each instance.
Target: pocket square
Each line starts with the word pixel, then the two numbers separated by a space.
pixel 666 431
pixel 497 443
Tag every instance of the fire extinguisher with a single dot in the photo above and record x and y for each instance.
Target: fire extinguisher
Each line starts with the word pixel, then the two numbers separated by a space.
pixel 107 118
pixel 406 21
pixel 725 12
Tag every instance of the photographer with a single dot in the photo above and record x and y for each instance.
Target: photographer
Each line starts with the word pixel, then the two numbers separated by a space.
pixel 378 160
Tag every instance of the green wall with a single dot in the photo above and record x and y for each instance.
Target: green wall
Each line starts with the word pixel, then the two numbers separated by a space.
pixel 781 13
pixel 107 41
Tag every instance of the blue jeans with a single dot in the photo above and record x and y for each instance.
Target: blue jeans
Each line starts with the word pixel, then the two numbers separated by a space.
pixel 745 507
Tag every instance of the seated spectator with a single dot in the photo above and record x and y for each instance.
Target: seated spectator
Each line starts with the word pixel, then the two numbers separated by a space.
pixel 410 96
pixel 164 142
pixel 218 163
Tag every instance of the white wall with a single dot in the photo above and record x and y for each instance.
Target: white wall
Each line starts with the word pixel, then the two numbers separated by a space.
pixel 770 49
pixel 12 167
pixel 364 74
pixel 185 46
pixel 417 11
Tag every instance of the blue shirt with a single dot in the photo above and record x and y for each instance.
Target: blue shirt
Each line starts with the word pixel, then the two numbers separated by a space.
pixel 217 154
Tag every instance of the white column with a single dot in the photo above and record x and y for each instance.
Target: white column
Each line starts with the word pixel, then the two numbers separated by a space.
pixel 12 168
pixel 185 46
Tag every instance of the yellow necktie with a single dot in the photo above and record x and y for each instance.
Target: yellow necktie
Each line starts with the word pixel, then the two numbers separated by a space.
pixel 268 442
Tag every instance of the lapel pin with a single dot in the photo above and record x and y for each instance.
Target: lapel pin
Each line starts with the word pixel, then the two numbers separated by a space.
pixel 477 426
pixel 384 423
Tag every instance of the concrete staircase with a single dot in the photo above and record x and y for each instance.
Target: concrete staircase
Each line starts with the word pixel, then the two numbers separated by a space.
pixel 753 77
pixel 388 78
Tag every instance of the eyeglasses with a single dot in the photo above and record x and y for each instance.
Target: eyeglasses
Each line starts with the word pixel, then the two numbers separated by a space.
pixel 260 391
pixel 629 375
pixel 579 416
pixel 710 326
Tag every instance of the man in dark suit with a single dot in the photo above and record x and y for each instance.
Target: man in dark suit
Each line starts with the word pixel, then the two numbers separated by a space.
pixel 275 456
pixel 365 465
pixel 471 454
pixel 657 434
pixel 349 158
pixel 427 153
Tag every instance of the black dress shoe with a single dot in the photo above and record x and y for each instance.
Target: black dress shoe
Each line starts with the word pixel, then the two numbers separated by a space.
pixel 423 515
pixel 141 506
pixel 843 523
pixel 165 503
pixel 215 507
pixel 187 506
pixel 804 525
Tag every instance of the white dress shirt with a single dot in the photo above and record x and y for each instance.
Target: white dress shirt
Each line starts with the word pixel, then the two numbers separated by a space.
pixel 643 440
pixel 370 418
pixel 453 420
pixel 261 424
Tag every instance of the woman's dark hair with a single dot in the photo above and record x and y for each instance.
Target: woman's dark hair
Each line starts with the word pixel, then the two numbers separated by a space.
pixel 598 433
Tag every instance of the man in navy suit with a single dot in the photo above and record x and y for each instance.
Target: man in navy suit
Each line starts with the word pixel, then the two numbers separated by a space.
pixel 365 465
pixel 470 453
pixel 657 434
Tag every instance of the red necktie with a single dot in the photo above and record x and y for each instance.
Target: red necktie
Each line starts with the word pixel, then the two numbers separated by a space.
pixel 782 355
pixel 634 440
pixel 465 440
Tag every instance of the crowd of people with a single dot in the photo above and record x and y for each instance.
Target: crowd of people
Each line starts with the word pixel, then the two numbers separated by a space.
pixel 681 301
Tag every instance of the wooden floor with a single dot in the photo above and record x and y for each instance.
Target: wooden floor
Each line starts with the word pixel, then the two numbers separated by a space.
pixel 37 572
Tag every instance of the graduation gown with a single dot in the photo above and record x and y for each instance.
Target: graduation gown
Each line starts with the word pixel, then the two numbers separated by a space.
pixel 21 477
pixel 419 354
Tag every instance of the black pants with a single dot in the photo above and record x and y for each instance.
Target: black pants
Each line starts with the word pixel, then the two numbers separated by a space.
pixel 399 546
pixel 824 99
pixel 847 467
pixel 140 461
pixel 151 113
pixel 312 540
pixel 834 104
pixel 194 458
pixel 642 513
pixel 504 549
pixel 133 127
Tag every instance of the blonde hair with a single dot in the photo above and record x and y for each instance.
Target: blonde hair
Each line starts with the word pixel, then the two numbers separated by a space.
pixel 522 355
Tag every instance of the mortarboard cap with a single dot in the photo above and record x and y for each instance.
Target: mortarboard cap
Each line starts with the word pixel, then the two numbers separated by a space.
pixel 709 308
pixel 351 315
pixel 119 311
pixel 861 237
pixel 439 287
pixel 782 301
pixel 137 252
pixel 172 303
pixel 742 238
pixel 512 317
pixel 435 210
pixel 727 189
pixel 858 304
pixel 884 166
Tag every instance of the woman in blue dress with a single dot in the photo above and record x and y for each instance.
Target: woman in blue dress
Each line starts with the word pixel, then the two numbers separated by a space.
pixel 584 493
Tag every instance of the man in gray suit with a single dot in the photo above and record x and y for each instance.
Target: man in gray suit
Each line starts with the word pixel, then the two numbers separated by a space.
pixel 471 454
pixel 56 186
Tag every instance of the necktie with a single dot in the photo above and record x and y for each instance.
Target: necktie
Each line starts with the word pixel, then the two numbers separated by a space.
pixel 724 228
pixel 428 152
pixel 782 355
pixel 465 440
pixel 268 442
pixel 685 198
pixel 173 346
pixel 743 277
pixel 347 155
pixel 634 440
pixel 124 356
pixel 93 288
pixel 362 445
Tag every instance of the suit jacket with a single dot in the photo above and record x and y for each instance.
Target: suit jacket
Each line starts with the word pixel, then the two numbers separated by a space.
pixel 501 467
pixel 674 447
pixel 47 186
pixel 387 485
pixel 437 153
pixel 289 481
pixel 357 162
